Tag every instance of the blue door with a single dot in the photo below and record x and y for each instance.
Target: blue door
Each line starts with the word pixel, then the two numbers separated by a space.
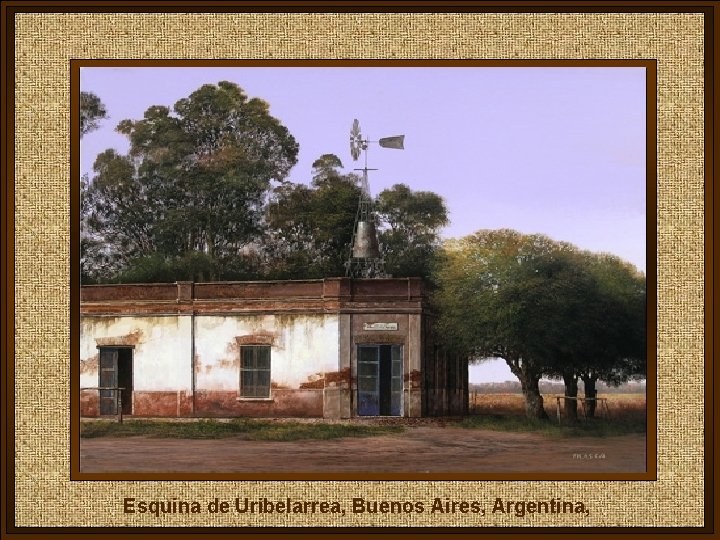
pixel 380 380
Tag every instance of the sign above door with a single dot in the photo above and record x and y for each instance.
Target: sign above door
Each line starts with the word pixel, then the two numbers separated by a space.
pixel 380 326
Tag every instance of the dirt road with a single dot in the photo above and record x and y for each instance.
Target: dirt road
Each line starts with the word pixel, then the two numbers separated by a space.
pixel 420 449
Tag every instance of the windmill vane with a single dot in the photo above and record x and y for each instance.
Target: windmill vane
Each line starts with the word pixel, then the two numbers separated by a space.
pixel 359 144
pixel 365 259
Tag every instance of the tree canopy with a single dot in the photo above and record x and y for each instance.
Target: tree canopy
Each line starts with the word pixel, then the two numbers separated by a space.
pixel 91 111
pixel 410 229
pixel 619 350
pixel 543 306
pixel 202 194
pixel 194 181
pixel 310 227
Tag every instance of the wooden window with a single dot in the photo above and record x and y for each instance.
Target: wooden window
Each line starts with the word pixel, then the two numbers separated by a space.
pixel 255 371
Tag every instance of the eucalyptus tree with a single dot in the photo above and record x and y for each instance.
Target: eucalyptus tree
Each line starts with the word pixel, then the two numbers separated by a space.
pixel 195 179
pixel 92 110
pixel 410 229
pixel 310 226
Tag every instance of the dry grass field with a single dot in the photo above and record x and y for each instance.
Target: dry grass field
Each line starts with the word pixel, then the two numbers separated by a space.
pixel 630 407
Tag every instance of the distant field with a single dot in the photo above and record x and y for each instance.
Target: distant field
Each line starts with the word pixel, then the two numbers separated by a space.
pixel 620 406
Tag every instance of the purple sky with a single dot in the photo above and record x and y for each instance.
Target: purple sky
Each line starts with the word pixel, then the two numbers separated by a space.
pixel 552 150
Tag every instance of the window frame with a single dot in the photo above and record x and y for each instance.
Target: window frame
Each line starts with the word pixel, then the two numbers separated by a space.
pixel 255 347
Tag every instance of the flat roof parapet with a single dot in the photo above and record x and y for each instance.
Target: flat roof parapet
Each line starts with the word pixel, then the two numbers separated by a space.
pixel 341 289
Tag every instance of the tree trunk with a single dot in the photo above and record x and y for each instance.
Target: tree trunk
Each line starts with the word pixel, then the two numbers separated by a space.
pixel 534 407
pixel 529 381
pixel 571 391
pixel 590 394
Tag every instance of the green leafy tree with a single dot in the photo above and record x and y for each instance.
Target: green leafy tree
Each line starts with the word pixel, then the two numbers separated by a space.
pixel 92 258
pixel 92 110
pixel 310 227
pixel 618 348
pixel 411 223
pixel 195 181
pixel 492 303
pixel 156 268
pixel 600 314
pixel 546 308
pixel 568 297
pixel 123 212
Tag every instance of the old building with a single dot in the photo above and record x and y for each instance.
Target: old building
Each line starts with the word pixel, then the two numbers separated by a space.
pixel 333 348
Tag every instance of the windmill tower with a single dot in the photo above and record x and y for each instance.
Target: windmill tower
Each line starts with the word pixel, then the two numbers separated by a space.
pixel 365 259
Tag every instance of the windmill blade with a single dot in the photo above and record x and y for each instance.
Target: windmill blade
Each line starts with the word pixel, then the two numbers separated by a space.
pixel 396 142
pixel 355 140
pixel 354 151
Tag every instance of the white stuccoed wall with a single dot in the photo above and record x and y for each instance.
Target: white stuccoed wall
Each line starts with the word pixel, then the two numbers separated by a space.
pixel 303 345
pixel 161 359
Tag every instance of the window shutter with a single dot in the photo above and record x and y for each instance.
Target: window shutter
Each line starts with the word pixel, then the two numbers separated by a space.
pixel 108 378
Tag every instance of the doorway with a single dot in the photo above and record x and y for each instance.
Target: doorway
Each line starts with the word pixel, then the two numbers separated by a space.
pixel 380 380
pixel 115 370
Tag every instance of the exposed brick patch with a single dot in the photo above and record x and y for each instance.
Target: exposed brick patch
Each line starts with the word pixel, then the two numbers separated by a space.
pixel 89 365
pixel 336 287
pixel 284 403
pixel 158 403
pixel 318 383
pixel 95 293
pixel 223 363
pixel 328 380
pixel 337 378
pixel 184 291
pixel 260 289
pixel 258 338
pixel 186 403
pixel 130 339
pixel 404 295
pixel 89 403
pixel 384 288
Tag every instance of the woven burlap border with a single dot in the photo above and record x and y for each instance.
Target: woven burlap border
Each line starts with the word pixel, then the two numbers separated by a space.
pixel 46 43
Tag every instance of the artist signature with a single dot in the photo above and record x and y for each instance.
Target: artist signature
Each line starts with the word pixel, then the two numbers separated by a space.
pixel 589 455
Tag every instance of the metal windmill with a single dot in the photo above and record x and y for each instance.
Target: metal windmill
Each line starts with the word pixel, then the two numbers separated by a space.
pixel 365 259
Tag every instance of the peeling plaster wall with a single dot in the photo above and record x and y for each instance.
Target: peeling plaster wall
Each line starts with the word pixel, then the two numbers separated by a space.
pixel 161 356
pixel 304 347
